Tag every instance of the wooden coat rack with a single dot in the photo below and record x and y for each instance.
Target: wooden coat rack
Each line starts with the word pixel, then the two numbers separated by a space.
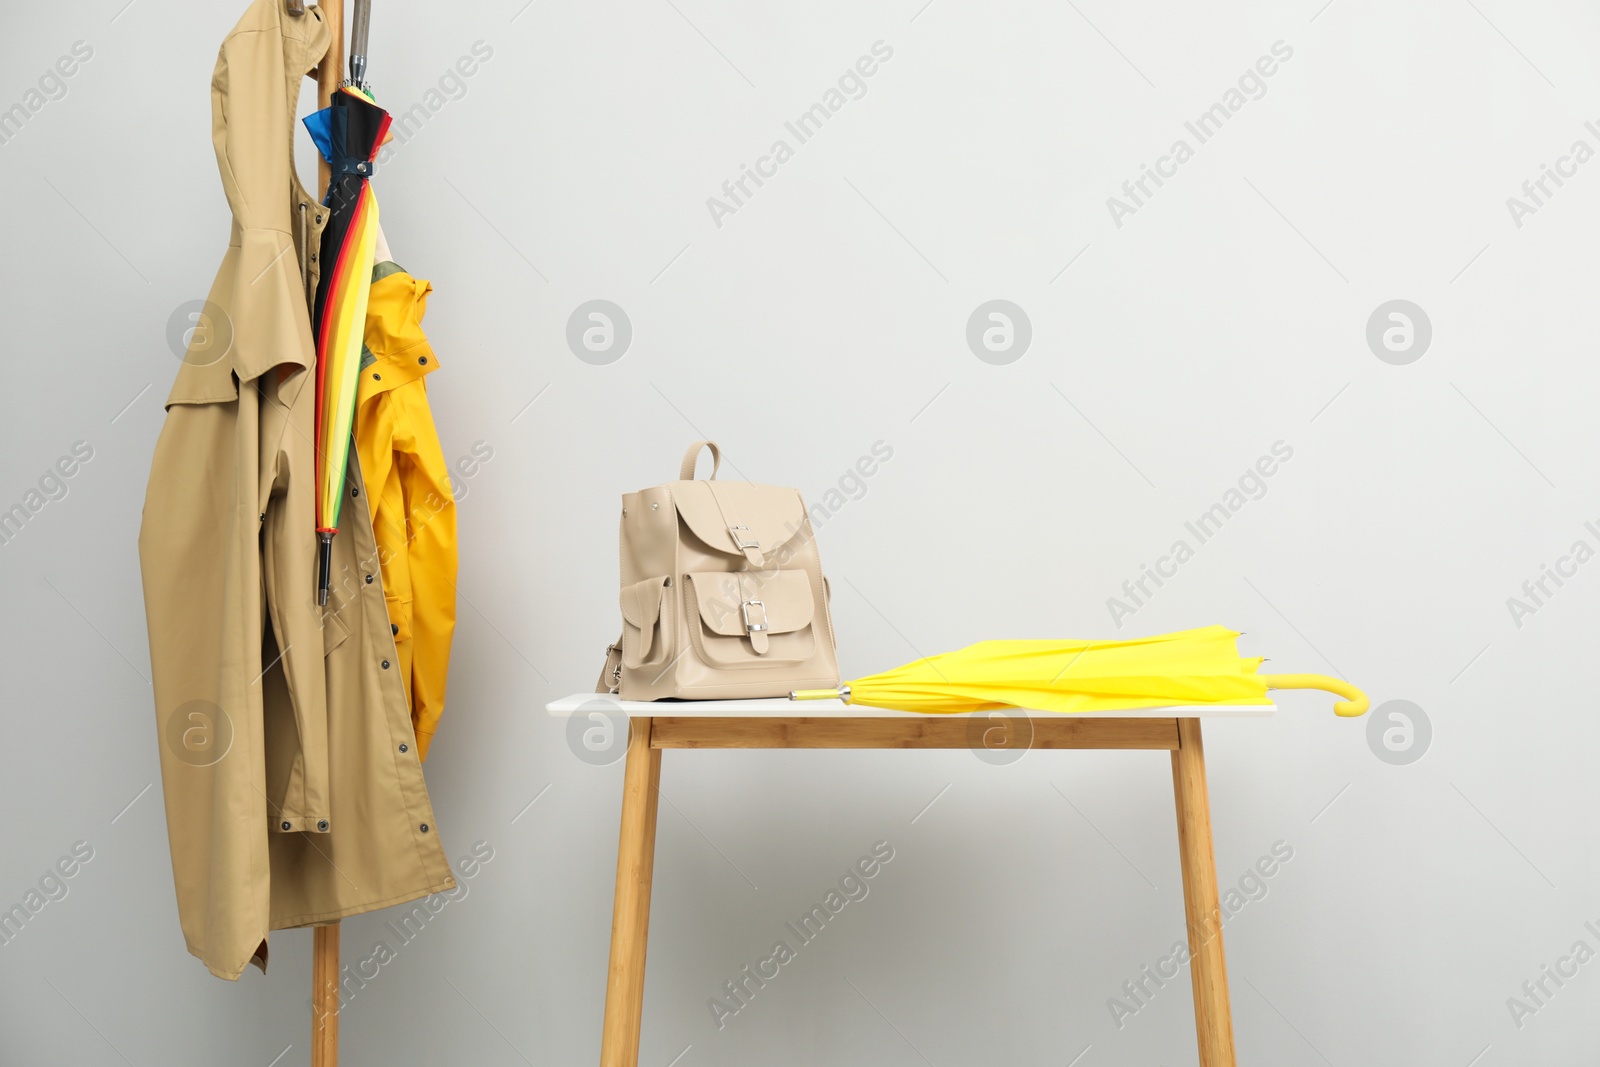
pixel 325 939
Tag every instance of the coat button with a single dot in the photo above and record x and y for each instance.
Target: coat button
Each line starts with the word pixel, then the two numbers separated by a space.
pixel 385 664
pixel 319 218
pixel 355 491
pixel 369 579
pixel 313 257
pixel 394 628
pixel 322 824
pixel 424 827
pixel 404 747
pixel 286 824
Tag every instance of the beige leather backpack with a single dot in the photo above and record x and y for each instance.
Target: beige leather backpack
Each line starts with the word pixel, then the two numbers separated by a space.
pixel 722 593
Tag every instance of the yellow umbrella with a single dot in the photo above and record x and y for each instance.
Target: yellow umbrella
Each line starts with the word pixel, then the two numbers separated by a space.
pixel 1190 667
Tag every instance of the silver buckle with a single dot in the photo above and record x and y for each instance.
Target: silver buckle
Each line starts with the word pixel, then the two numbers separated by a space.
pixel 742 543
pixel 749 626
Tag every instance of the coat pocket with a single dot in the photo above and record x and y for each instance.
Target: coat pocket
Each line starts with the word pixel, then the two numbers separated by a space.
pixel 399 610
pixel 750 619
pixel 644 625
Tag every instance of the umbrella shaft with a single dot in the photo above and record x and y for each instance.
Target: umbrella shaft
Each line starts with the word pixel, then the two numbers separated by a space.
pixel 360 24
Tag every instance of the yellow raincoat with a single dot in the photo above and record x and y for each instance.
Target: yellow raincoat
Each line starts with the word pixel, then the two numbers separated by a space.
pixel 408 490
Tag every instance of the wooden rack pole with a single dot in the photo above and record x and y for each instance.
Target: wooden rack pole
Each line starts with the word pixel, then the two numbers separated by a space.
pixel 325 995
pixel 325 939
pixel 331 71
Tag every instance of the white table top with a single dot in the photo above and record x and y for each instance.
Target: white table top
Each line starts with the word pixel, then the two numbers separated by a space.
pixel 784 708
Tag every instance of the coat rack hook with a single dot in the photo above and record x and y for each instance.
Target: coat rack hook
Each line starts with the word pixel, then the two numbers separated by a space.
pixel 295 7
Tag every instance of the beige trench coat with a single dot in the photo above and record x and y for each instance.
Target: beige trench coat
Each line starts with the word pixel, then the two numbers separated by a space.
pixel 294 795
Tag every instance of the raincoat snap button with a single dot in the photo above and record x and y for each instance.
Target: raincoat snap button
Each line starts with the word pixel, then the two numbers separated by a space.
pixel 286 824
pixel 369 579
pixel 385 664
pixel 322 824
pixel 394 628
pixel 424 827
pixel 404 747
pixel 377 377
pixel 422 359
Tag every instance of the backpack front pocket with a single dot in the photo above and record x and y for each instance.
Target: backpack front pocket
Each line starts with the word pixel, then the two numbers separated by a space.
pixel 750 619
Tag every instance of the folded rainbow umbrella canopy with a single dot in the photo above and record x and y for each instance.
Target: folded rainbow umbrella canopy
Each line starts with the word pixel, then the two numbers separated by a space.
pixel 348 132
pixel 1188 668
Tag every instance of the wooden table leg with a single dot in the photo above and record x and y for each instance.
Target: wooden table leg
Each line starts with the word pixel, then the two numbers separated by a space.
pixel 630 916
pixel 325 995
pixel 1208 970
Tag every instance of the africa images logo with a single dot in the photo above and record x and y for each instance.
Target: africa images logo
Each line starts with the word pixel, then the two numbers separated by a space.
pixel 51 86
pixel 852 886
pixel 851 85
pixel 1251 85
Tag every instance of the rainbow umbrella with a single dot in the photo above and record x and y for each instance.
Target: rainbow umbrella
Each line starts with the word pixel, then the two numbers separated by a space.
pixel 1187 668
pixel 348 132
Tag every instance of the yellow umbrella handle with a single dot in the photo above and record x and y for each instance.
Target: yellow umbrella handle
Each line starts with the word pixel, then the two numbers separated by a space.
pixel 841 693
pixel 1354 702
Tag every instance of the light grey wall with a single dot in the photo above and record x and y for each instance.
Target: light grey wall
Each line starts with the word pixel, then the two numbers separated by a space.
pixel 1171 347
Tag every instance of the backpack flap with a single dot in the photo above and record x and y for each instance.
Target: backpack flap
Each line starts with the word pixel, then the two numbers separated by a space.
pixel 742 519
